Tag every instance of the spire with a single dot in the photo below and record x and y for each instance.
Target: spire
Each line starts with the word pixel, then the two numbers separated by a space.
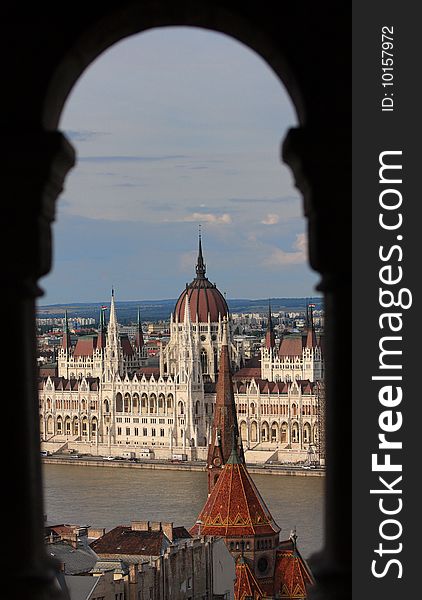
pixel 66 343
pixel 225 433
pixel 269 334
pixel 113 321
pixel 139 336
pixel 101 341
pixel 200 265
pixel 311 341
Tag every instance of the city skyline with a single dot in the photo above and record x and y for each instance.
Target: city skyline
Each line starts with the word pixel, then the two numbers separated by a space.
pixel 193 141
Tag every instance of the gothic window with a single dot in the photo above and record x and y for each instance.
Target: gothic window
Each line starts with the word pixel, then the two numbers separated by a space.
pixel 119 402
pixel 254 432
pixel 204 361
pixel 170 401
pixel 181 408
pixel 152 403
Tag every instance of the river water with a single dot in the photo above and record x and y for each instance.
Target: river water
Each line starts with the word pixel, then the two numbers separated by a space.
pixel 106 497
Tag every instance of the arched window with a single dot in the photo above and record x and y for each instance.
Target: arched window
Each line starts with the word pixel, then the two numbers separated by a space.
pixel 204 361
pixel 127 403
pixel 152 403
pixel 144 403
pixel 170 401
pixel 135 403
pixel 181 408
pixel 119 402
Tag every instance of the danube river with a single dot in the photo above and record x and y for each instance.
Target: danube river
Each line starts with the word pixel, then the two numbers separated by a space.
pixel 109 496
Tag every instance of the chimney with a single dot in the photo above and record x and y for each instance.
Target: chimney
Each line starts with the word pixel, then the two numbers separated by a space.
pixel 133 573
pixel 168 530
pixel 140 526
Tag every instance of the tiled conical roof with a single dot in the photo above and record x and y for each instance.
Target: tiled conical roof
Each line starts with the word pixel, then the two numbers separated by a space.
pixel 246 586
pixel 292 576
pixel 235 506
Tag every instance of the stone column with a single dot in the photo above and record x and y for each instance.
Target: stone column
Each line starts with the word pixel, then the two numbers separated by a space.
pixel 321 166
pixel 35 165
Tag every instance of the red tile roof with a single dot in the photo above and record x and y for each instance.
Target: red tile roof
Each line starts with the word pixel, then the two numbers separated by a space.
pixel 292 576
pixel 85 346
pixel 246 586
pixel 125 540
pixel 235 506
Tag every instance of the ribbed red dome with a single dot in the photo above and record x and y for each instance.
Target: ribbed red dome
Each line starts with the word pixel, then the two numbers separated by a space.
pixel 204 297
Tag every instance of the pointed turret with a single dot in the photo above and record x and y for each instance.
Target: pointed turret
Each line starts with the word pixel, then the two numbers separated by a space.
pixel 269 334
pixel 246 586
pixel 101 340
pixel 139 336
pixel 66 343
pixel 311 341
pixel 225 427
pixel 200 265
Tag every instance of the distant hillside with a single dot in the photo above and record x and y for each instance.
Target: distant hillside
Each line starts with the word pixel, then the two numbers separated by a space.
pixel 155 310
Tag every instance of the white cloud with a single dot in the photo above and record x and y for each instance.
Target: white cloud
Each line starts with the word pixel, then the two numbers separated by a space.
pixel 270 219
pixel 211 218
pixel 298 256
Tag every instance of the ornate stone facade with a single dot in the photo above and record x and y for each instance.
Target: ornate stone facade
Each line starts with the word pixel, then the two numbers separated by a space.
pixel 107 399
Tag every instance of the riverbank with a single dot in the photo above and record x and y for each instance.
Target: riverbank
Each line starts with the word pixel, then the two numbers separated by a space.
pixel 177 466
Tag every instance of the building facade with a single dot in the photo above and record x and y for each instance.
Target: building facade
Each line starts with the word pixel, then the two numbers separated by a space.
pixel 107 399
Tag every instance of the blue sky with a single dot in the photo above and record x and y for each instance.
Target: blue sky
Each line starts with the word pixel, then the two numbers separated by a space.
pixel 174 128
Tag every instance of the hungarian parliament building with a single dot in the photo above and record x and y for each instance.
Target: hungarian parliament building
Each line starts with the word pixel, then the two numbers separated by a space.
pixel 106 399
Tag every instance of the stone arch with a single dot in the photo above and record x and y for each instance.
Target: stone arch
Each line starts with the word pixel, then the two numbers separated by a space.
pixel 68 426
pixel 180 408
pixel 284 432
pixel 85 427
pixel 106 405
pixel 243 431
pixel 144 403
pixel 127 403
pixel 295 432
pixel 81 39
pixel 170 401
pixel 254 431
pixel 161 403
pixel 50 425
pixel 265 431
pixel 75 426
pixel 59 425
pixel 135 403
pixel 274 432
pixel 94 426
pixel 152 403
pixel 306 432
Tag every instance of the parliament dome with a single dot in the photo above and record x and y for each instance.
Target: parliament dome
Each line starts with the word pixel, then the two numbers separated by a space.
pixel 205 299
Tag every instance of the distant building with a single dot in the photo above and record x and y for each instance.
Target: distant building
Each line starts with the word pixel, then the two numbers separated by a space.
pixel 108 395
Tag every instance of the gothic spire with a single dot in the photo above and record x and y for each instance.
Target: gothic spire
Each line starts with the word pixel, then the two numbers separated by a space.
pixel 101 340
pixel 66 344
pixel 139 336
pixel 269 334
pixel 200 265
pixel 225 431
pixel 311 340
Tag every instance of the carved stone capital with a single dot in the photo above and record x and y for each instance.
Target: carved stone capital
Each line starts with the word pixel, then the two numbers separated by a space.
pixel 36 165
